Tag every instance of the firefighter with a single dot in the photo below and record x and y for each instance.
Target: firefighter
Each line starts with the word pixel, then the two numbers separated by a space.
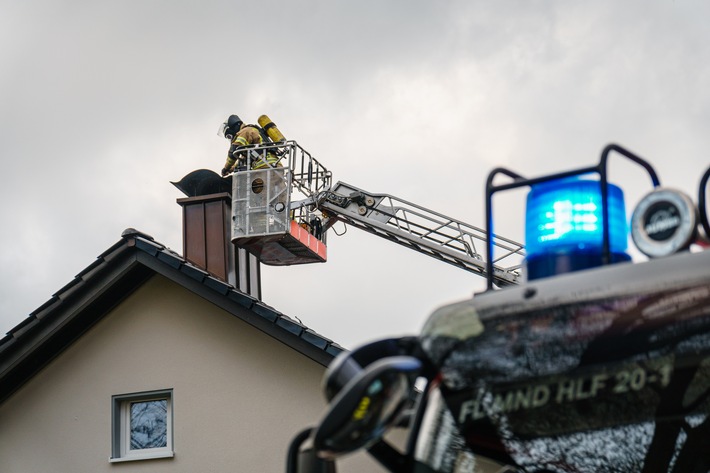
pixel 241 136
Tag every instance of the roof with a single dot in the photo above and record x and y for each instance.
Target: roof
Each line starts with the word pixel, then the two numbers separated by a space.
pixel 115 274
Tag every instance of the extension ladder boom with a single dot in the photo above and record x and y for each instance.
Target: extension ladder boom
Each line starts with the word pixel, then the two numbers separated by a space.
pixel 420 229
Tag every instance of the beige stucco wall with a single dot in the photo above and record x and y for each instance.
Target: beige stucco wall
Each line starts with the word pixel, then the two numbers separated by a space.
pixel 239 395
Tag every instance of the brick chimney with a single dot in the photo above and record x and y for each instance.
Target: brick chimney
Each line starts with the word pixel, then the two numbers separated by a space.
pixel 206 233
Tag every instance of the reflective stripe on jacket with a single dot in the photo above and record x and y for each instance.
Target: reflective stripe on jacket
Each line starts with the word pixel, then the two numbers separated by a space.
pixel 271 161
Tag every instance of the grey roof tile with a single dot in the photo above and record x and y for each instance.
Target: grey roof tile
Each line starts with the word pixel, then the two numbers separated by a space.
pixel 290 325
pixel 6 341
pixel 90 270
pixel 219 286
pixel 335 349
pixel 266 311
pixel 66 292
pixel 40 311
pixel 194 272
pixel 147 246
pixel 112 250
pixel 313 338
pixel 24 326
pixel 169 258
pixel 244 299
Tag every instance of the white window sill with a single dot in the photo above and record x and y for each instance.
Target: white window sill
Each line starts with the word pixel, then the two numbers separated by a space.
pixel 144 456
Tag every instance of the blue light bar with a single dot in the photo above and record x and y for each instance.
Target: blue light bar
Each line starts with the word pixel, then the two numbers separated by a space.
pixel 564 229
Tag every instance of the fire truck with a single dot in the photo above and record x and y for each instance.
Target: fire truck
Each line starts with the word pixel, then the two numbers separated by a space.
pixel 574 359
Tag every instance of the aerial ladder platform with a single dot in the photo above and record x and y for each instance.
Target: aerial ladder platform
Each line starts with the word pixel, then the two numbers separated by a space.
pixel 281 214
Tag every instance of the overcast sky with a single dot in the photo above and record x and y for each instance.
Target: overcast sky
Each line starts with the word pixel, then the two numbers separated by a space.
pixel 103 103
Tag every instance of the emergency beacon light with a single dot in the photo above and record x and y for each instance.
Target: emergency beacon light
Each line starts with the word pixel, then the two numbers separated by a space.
pixel 574 220
pixel 564 227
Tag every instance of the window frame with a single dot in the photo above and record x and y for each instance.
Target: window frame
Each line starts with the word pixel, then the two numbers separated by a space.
pixel 121 426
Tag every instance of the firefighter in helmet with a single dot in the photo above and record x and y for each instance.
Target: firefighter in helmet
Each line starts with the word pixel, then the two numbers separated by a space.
pixel 242 136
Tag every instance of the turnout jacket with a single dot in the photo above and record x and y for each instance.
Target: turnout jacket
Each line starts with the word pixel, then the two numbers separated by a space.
pixel 247 135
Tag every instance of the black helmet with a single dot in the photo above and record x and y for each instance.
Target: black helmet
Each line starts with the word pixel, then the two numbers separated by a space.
pixel 230 127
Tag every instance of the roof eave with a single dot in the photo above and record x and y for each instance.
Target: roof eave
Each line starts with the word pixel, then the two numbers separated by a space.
pixel 115 274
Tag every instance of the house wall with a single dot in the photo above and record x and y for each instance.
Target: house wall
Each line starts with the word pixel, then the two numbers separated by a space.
pixel 239 396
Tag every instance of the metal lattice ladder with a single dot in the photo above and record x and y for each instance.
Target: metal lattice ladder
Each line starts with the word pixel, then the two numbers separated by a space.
pixel 423 230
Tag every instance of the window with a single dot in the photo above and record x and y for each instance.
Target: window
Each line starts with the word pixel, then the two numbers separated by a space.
pixel 142 426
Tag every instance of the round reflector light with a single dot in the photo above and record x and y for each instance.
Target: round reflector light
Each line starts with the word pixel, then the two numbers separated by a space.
pixel 663 223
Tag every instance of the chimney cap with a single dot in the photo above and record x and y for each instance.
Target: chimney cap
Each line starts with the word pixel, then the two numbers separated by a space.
pixel 203 182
